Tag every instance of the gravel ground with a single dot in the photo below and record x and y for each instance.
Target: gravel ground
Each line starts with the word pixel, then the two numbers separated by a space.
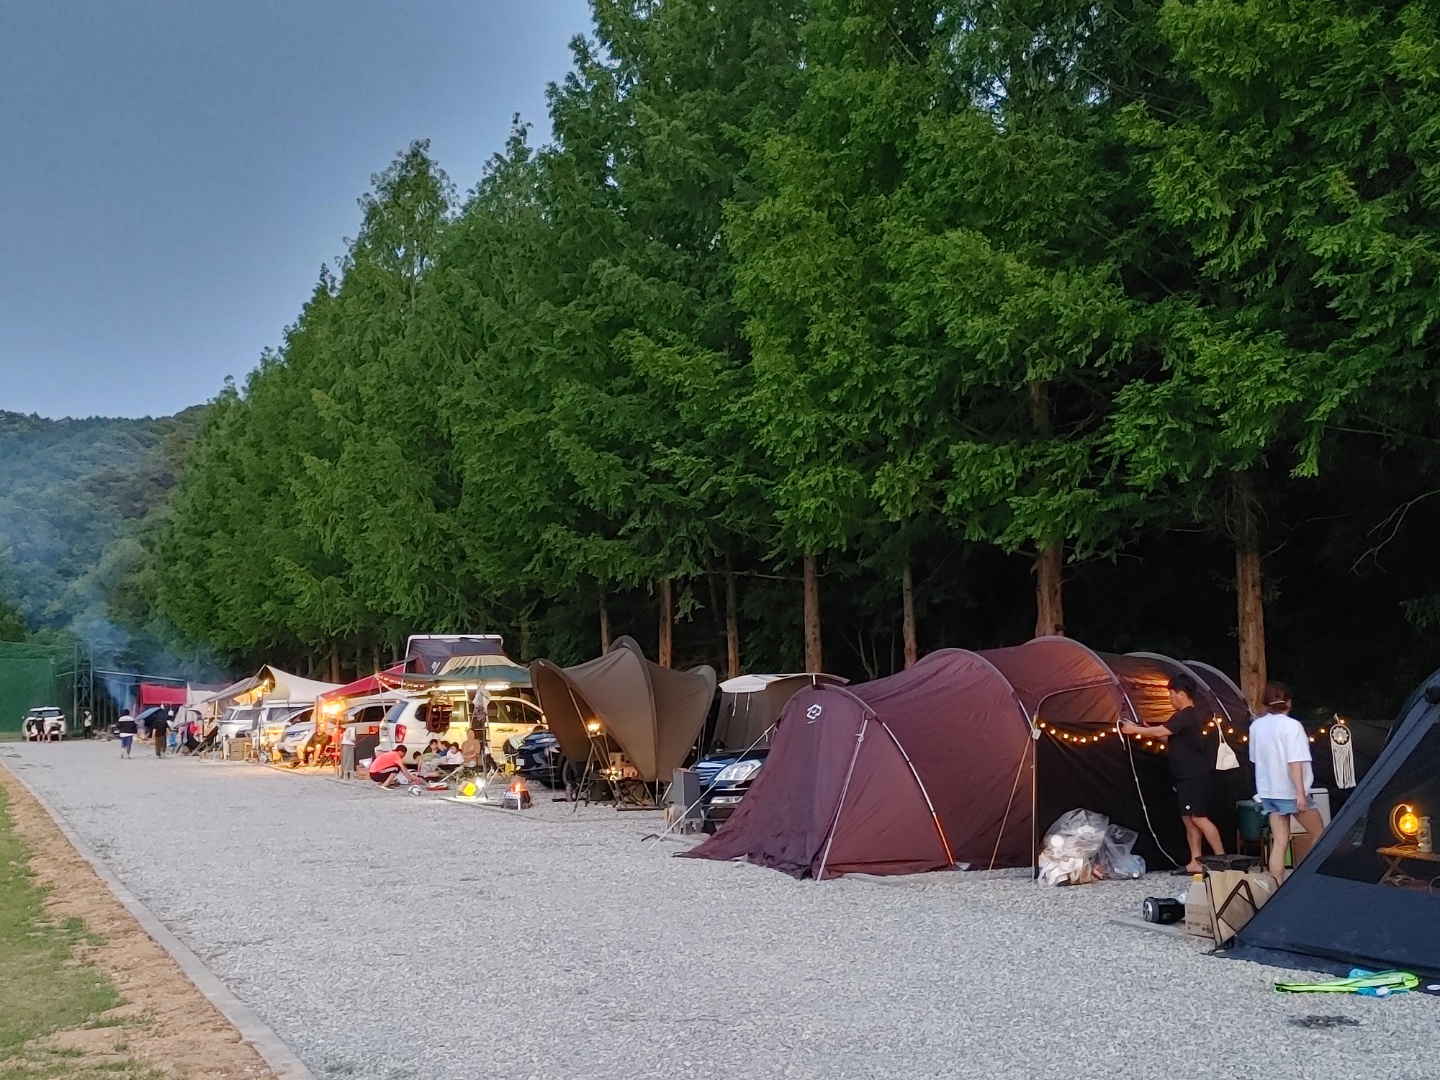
pixel 385 935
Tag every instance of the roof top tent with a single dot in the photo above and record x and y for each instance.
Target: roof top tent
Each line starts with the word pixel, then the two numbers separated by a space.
pixel 652 714
pixel 750 705
pixel 958 761
pixel 427 654
pixel 1366 893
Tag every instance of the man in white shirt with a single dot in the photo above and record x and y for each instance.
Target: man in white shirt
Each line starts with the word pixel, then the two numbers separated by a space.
pixel 1280 750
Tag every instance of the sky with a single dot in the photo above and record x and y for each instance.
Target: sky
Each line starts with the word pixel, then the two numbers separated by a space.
pixel 175 172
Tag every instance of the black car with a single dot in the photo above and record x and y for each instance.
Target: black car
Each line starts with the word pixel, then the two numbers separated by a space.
pixel 725 777
pixel 540 758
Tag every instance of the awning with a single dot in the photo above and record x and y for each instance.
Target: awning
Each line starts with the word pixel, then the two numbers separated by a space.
pixel 159 694
pixel 370 684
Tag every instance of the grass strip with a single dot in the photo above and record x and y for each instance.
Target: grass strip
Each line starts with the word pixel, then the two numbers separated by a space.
pixel 45 988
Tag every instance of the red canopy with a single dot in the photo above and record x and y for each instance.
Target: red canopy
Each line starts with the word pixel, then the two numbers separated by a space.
pixel 156 694
pixel 370 684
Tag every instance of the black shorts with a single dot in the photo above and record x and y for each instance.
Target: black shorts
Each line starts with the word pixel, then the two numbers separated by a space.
pixel 381 777
pixel 1193 797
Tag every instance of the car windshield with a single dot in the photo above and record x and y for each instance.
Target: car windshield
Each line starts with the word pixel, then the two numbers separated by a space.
pixel 396 712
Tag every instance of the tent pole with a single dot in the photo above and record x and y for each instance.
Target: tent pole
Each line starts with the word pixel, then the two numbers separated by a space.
pixel 830 839
pixel 1034 800
pixel 934 816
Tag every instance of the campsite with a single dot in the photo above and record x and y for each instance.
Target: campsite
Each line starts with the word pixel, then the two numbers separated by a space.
pixel 618 539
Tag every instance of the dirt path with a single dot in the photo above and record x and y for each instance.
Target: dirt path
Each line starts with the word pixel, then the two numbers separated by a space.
pixel 166 1022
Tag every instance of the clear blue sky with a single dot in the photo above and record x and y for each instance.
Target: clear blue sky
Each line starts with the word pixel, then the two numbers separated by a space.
pixel 175 171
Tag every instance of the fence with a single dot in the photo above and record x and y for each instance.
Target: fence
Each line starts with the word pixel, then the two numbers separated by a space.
pixel 30 677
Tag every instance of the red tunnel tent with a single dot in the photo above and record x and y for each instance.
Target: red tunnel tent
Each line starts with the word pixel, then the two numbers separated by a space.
pixel 936 766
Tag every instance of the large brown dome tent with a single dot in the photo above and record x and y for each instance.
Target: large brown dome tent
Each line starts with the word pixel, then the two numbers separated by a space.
pixel 652 714
pixel 959 761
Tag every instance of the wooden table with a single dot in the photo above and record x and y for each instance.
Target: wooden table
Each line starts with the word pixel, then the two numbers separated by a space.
pixel 1397 854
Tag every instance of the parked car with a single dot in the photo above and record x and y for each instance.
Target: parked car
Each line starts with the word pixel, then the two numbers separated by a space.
pixel 46 722
pixel 724 780
pixel 238 722
pixel 293 739
pixel 271 722
pixel 415 721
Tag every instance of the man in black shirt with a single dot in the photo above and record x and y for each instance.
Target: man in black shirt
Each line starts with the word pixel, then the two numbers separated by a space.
pixel 126 727
pixel 159 725
pixel 1192 766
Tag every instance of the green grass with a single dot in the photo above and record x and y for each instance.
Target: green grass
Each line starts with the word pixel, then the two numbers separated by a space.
pixel 43 987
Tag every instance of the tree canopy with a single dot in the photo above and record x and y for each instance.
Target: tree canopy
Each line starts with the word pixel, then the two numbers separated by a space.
pixel 938 308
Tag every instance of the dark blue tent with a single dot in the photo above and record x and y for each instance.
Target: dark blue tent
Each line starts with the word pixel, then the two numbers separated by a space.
pixel 1367 894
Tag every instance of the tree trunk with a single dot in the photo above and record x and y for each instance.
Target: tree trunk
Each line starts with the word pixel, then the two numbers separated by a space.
pixel 667 623
pixel 1049 601
pixel 1249 585
pixel 1049 558
pixel 375 656
pixel 334 661
pixel 732 625
pixel 604 624
pixel 907 595
pixel 814 660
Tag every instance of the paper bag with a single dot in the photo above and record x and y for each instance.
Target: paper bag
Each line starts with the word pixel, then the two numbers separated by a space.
pixel 1235 897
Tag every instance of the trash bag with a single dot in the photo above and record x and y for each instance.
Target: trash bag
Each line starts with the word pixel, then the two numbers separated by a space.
pixel 1115 859
pixel 1067 855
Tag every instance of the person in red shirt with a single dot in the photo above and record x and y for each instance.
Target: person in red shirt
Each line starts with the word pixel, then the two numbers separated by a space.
pixel 388 766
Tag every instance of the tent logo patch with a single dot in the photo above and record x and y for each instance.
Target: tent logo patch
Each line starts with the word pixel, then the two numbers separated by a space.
pixel 814 711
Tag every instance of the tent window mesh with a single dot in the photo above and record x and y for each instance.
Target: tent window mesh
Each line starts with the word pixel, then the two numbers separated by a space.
pixel 1368 851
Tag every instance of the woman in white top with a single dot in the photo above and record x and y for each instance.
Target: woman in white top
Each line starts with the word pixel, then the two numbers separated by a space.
pixel 1280 750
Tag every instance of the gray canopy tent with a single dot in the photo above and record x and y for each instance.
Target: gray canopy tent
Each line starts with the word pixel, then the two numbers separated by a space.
pixel 750 705
pixel 652 714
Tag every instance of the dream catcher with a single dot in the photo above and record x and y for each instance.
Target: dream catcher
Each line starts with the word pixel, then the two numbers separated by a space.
pixel 1342 753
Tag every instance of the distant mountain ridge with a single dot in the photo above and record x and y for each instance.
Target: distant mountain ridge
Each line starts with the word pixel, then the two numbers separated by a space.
pixel 76 499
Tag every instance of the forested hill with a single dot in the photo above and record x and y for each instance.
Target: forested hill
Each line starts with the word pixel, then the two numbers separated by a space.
pixel 78 501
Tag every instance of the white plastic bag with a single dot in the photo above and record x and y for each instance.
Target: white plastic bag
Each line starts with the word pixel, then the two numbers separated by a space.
pixel 1115 859
pixel 1067 855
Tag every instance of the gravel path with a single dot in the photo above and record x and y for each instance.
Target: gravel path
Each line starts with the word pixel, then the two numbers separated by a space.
pixel 384 935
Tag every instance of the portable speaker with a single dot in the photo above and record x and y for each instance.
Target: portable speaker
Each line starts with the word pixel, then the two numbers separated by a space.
pixel 1162 909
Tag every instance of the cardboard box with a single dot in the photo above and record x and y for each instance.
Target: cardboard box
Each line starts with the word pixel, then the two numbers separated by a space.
pixel 1199 915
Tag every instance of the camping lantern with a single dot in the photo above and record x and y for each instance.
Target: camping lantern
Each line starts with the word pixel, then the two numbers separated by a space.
pixel 593 728
pixel 1405 823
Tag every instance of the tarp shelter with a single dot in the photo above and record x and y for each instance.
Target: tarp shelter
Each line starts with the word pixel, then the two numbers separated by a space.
pixel 750 704
pixel 268 684
pixel 1364 895
pixel 652 714
pixel 960 760
pixel 160 694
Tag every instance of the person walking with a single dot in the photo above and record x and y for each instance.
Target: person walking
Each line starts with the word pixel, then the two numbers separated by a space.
pixel 1192 767
pixel 159 725
pixel 1280 750
pixel 86 724
pixel 125 727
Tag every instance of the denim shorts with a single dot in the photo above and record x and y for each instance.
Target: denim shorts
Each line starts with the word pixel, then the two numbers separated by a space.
pixel 1278 806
